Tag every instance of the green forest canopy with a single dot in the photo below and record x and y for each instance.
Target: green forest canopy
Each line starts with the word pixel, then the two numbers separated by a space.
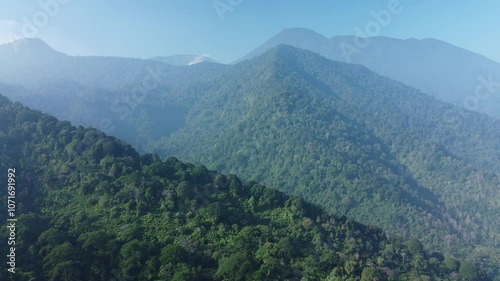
pixel 91 208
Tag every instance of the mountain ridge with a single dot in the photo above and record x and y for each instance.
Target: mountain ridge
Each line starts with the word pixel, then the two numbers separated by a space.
pixel 451 74
pixel 277 121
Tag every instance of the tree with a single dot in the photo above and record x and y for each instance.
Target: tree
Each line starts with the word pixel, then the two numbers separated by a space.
pixel 132 257
pixel 370 274
pixel 236 267
pixel 468 272
pixel 65 271
pixel 98 249
pixel 415 247
pixel 49 239
pixel 61 263
pixel 451 263
pixel 173 254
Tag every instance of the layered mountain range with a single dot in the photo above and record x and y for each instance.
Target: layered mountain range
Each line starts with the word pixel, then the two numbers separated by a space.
pixel 337 134
pixel 449 73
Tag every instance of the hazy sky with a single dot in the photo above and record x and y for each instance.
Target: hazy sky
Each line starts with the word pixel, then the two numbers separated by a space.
pixel 144 29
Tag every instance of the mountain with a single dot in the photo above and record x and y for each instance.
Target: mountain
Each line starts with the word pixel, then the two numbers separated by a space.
pixel 447 72
pixel 184 59
pixel 354 142
pixel 32 63
pixel 89 207
pixel 30 48
pixel 90 91
pixel 301 38
pixel 339 135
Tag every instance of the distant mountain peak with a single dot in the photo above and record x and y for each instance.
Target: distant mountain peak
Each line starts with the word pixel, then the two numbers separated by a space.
pixel 283 49
pixel 31 46
pixel 35 40
pixel 447 72
pixel 302 38
pixel 289 52
pixel 300 31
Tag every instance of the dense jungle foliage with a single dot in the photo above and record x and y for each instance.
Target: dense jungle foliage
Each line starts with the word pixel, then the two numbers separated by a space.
pixel 90 207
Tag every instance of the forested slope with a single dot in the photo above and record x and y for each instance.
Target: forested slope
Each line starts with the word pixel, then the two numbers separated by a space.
pixel 91 208
pixel 336 134
pixel 442 70
pixel 356 143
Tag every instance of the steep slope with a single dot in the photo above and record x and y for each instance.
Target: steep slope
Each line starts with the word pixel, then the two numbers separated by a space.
pixel 184 59
pixel 90 208
pixel 442 70
pixel 353 141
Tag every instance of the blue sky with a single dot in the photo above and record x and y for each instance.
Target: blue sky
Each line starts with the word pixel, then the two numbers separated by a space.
pixel 144 29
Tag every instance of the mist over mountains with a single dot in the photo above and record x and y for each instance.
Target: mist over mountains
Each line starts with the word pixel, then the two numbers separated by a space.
pixel 298 119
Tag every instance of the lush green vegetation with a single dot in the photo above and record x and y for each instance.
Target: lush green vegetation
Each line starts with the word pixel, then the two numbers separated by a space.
pixel 336 134
pixel 357 144
pixel 91 208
